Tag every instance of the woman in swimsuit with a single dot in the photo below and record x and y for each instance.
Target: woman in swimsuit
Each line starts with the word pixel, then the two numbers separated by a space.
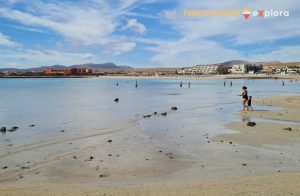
pixel 245 97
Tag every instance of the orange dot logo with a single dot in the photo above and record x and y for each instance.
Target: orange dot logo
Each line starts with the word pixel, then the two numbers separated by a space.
pixel 246 13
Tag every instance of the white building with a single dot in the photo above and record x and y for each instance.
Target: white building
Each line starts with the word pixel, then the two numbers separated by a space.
pixel 238 69
pixel 205 69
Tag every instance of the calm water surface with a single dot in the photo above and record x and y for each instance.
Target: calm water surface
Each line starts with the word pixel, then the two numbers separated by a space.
pixel 86 105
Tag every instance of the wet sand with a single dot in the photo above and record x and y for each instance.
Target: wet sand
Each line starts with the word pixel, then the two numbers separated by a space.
pixel 125 161
pixel 284 131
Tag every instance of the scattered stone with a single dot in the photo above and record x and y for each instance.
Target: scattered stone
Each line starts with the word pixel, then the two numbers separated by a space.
pixel 13 129
pixel 3 129
pixel 244 164
pixel 62 131
pixel 230 142
pixel 288 129
pixel 74 157
pixel 173 108
pixel 31 125
pixel 109 155
pixel 109 141
pixel 155 113
pixel 221 141
pixel 116 100
pixel 164 113
pixel 103 175
pixel 251 124
pixel 161 152
pixel 91 157
pixel 147 116
pixel 146 159
pixel 5 167
pixel 23 167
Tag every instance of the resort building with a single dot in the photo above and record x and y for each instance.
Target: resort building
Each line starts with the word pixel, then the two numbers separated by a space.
pixel 205 69
pixel 238 69
pixel 67 71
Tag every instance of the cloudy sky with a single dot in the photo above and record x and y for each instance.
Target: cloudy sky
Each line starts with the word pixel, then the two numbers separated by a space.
pixel 143 33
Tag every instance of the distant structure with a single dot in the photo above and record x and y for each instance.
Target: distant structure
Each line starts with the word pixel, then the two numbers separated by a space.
pixel 238 69
pixel 205 69
pixel 67 71
pixel 286 70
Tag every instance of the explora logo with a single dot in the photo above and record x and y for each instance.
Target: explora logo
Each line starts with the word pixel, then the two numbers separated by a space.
pixel 264 13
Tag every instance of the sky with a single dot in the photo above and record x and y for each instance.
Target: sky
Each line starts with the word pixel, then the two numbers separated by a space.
pixel 144 33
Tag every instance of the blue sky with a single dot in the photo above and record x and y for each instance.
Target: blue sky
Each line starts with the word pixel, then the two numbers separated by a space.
pixel 143 33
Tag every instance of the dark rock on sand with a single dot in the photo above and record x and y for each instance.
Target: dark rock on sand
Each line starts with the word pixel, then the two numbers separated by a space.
pixel 32 125
pixel 103 175
pixel 174 108
pixel 91 157
pixel 5 167
pixel 251 124
pixel 244 164
pixel 3 129
pixel 109 141
pixel 288 129
pixel 163 113
pixel 155 113
pixel 13 129
pixel 62 131
pixel 116 100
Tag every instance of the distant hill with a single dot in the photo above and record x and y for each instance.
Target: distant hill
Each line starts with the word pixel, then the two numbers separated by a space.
pixel 233 62
pixel 92 66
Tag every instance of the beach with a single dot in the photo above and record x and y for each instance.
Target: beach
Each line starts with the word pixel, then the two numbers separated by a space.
pixel 203 148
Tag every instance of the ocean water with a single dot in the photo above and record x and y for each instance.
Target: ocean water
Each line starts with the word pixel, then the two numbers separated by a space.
pixel 82 106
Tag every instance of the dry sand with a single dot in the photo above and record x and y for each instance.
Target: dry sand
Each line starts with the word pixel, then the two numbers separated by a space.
pixel 276 184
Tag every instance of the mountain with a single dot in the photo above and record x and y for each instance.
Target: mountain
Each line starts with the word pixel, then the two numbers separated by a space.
pixel 233 62
pixel 92 66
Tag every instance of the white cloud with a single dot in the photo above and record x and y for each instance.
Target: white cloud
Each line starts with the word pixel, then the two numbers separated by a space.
pixel 31 58
pixel 284 54
pixel 5 41
pixel 195 45
pixel 85 24
pixel 135 26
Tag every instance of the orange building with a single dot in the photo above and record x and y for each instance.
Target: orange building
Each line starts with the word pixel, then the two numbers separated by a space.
pixel 67 71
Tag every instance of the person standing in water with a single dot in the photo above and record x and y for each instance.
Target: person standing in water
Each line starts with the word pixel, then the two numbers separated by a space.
pixel 244 97
pixel 189 85
pixel 230 83
pixel 180 84
pixel 136 84
pixel 225 83
pixel 249 104
pixel 282 83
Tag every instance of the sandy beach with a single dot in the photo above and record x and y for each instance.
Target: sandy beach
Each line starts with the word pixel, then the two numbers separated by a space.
pixel 163 155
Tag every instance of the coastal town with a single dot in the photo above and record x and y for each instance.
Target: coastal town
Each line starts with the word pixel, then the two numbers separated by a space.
pixel 232 67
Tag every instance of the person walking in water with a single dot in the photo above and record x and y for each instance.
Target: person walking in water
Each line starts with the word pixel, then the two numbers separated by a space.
pixel 189 85
pixel 244 97
pixel 136 84
pixel 117 84
pixel 230 83
pixel 225 83
pixel 180 84
pixel 282 83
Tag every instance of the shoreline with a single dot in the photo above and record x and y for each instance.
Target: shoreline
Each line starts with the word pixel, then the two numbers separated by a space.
pixel 226 77
pixel 281 129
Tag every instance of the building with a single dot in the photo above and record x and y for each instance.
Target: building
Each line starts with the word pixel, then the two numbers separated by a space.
pixel 205 69
pixel 67 71
pixel 238 69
